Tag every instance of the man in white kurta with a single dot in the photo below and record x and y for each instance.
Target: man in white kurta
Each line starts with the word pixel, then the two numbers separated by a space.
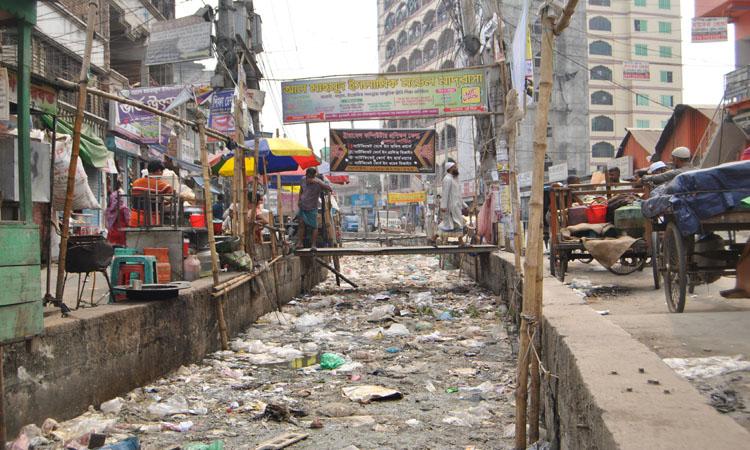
pixel 451 203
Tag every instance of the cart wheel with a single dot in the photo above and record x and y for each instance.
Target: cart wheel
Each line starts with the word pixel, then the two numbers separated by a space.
pixel 675 268
pixel 627 265
pixel 655 258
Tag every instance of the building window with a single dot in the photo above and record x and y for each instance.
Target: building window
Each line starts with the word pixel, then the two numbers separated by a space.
pixel 664 4
pixel 641 100
pixel 666 76
pixel 602 123
pixel 601 73
pixel 642 124
pixel 391 68
pixel 603 150
pixel 403 65
pixel 450 136
pixel 600 23
pixel 665 27
pixel 640 25
pixel 601 98
pixel 641 50
pixel 641 3
pixel 665 52
pixel 667 100
pixel 664 123
pixel 599 2
pixel 600 48
pixel 390 49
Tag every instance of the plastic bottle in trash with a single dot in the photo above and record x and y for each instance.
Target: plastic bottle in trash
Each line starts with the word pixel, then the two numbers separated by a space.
pixel 192 268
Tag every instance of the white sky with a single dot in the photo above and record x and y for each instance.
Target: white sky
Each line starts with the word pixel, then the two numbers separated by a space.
pixel 308 39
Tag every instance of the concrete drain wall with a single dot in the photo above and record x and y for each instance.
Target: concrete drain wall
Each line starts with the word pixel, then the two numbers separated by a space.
pixel 587 403
pixel 102 352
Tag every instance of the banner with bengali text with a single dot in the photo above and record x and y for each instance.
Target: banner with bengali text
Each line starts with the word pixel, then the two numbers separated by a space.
pixel 385 96
pixel 383 150
pixel 407 197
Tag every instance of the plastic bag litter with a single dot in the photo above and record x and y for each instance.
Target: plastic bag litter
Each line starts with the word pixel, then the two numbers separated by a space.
pixel 215 445
pixel 182 426
pixel 471 417
pixel 373 333
pixel 175 404
pixel 396 329
pixel 432 337
pixel 693 368
pixel 330 361
pixel 277 318
pixel 21 443
pixel 309 320
pixel 226 372
pixel 129 443
pixel 286 353
pixel 367 393
pixel 113 406
pixel 380 313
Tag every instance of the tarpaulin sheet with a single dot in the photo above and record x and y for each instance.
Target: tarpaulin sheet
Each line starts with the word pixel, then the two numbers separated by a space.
pixel 700 194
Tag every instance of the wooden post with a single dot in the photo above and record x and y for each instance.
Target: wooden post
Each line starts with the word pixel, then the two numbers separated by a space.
pixel 80 107
pixel 250 244
pixel 3 437
pixel 279 202
pixel 532 284
pixel 211 237
pixel 515 211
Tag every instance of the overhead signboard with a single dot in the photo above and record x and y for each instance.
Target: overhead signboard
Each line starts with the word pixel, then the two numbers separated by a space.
pixel 385 96
pixel 179 40
pixel 635 70
pixel 383 151
pixel 407 197
pixel 137 124
pixel 41 97
pixel 709 29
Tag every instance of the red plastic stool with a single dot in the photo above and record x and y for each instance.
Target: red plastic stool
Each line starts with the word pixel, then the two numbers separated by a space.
pixel 124 277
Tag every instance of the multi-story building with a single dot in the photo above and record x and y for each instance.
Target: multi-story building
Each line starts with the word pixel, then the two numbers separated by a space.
pixel 635 69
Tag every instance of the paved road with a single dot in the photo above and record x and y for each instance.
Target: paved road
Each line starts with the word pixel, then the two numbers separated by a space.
pixel 710 325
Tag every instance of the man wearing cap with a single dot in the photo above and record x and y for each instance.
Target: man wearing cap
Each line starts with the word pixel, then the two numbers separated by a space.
pixel 451 203
pixel 681 161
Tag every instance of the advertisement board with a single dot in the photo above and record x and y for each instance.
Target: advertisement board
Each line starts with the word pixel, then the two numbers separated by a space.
pixel 363 201
pixel 709 29
pixel 384 96
pixel 221 118
pixel 178 40
pixel 384 150
pixel 407 197
pixel 635 70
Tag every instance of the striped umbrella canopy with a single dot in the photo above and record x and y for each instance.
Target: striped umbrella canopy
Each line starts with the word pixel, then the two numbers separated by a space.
pixel 275 155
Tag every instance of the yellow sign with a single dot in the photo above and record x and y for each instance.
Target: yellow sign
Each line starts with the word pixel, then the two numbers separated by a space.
pixel 407 197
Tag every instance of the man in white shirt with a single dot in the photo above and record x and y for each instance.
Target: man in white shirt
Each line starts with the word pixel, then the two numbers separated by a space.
pixel 451 204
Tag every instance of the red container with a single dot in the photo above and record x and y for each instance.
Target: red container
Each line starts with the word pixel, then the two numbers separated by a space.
pixel 185 247
pixel 218 226
pixel 597 213
pixel 163 272
pixel 198 221
pixel 161 254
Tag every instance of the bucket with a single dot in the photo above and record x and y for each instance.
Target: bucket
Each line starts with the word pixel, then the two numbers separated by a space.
pixel 597 213
pixel 218 226
pixel 198 221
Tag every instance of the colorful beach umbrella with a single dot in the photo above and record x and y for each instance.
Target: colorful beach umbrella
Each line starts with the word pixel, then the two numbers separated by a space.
pixel 275 155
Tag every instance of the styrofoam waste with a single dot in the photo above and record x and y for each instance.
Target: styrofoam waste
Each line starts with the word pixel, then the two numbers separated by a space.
pixel 695 368
pixel 396 329
pixel 113 406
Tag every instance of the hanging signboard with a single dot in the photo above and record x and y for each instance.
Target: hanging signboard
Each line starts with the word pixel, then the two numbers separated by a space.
pixel 384 151
pixel 384 96
pixel 635 70
pixel 709 29
pixel 221 117
pixel 179 40
pixel 407 197
pixel 4 95
pixel 137 124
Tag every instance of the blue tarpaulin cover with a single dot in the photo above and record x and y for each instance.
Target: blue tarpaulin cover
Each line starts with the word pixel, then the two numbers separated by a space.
pixel 700 194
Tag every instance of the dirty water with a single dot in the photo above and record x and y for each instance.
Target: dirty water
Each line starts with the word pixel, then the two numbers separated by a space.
pixel 417 359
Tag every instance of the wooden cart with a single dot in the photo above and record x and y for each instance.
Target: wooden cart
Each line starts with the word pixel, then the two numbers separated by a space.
pixel 561 252
pixel 681 267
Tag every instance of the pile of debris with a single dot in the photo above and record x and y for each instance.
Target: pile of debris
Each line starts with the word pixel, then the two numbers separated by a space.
pixel 414 358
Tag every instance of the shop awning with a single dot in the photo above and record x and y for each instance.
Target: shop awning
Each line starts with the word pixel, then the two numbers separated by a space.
pixel 199 182
pixel 92 150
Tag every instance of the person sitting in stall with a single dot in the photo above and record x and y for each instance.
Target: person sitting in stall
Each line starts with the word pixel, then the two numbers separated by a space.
pixel 681 161
pixel 116 216
pixel 309 202
pixel 144 186
pixel 260 218
pixel 226 226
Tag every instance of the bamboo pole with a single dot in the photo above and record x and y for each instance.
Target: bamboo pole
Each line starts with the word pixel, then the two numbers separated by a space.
pixel 250 244
pixel 80 107
pixel 211 237
pixel 532 285
pixel 223 288
pixel 3 437
pixel 279 202
pixel 515 211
